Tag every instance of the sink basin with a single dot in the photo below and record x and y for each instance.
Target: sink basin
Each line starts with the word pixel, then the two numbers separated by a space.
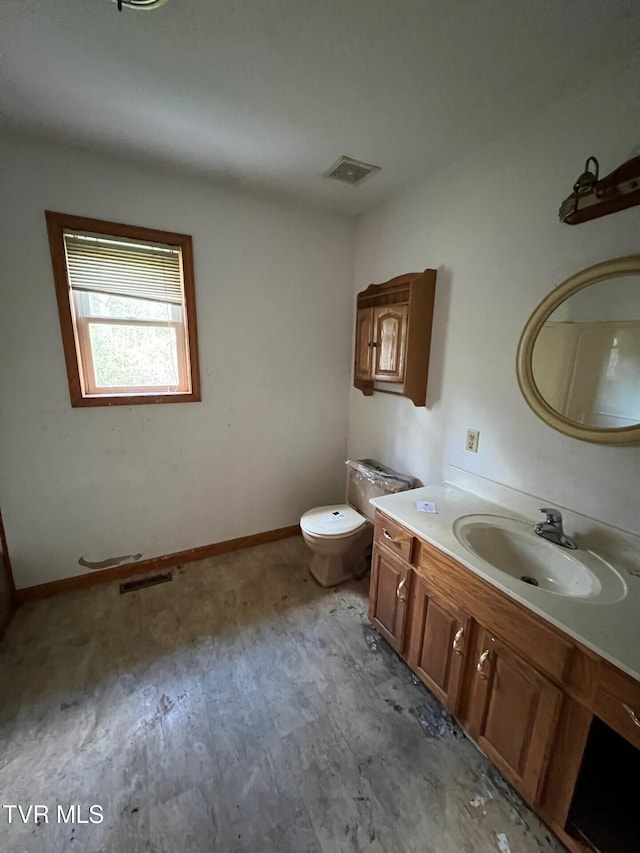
pixel 512 547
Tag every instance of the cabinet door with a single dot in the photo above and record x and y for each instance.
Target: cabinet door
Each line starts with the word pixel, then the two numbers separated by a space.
pixel 390 578
pixel 390 342
pixel 438 637
pixel 364 343
pixel 617 702
pixel 512 714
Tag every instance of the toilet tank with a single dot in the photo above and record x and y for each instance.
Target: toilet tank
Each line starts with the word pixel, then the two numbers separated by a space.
pixel 368 478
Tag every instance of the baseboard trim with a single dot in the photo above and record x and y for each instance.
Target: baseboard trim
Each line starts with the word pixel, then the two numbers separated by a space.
pixel 45 590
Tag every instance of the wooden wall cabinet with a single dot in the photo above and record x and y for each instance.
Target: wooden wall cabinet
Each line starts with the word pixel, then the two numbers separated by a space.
pixel 523 690
pixel 393 336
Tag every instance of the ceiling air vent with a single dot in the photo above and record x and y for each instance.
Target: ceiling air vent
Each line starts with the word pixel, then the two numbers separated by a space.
pixel 351 171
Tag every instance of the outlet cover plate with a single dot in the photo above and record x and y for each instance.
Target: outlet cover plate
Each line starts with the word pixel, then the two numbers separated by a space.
pixel 473 436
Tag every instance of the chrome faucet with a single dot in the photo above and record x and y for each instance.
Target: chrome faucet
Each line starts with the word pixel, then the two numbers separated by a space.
pixel 551 528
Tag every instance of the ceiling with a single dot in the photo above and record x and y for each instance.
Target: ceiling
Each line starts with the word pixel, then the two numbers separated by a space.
pixel 268 93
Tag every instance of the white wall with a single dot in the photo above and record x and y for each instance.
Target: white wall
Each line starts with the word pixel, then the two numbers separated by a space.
pixel 490 226
pixel 268 440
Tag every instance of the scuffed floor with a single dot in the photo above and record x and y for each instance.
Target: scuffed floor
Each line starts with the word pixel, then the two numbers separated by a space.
pixel 238 708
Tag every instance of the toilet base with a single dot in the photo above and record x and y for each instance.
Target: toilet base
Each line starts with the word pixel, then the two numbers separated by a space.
pixel 333 569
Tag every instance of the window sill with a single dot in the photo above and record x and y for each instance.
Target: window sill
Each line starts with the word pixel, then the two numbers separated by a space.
pixel 141 399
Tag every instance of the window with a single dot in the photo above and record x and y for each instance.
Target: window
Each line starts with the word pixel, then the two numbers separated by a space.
pixel 127 310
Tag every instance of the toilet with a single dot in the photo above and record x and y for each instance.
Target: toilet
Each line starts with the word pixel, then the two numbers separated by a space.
pixel 340 535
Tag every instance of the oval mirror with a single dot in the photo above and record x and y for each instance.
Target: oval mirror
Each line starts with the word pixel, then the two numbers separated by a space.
pixel 578 361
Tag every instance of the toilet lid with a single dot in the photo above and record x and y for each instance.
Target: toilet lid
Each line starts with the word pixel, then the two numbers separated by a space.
pixel 335 521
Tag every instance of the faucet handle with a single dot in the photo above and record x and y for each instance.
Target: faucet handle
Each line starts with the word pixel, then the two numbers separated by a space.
pixel 554 516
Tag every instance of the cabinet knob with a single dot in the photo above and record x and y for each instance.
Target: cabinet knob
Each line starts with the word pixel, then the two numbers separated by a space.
pixel 457 641
pixel 387 535
pixel 632 714
pixel 400 590
pixel 481 663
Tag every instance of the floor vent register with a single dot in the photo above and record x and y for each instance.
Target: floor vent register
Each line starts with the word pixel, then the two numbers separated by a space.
pixel 143 583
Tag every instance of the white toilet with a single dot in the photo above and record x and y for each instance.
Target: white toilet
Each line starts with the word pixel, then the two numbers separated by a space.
pixel 340 535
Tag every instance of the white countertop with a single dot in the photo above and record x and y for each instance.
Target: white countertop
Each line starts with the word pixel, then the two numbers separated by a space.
pixel 611 630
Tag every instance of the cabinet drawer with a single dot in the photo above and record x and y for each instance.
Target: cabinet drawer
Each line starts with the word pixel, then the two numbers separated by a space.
pixel 394 537
pixel 617 702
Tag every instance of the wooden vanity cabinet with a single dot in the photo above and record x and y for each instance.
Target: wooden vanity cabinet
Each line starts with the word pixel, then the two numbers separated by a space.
pixel 437 639
pixel 393 336
pixel 390 582
pixel 512 713
pixel 524 691
pixel 507 706
pixel 617 702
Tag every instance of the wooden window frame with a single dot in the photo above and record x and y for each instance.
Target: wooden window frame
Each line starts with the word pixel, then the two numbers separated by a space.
pixel 74 338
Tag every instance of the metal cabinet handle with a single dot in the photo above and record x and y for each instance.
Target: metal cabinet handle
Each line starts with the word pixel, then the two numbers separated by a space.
pixel 387 535
pixel 481 662
pixel 632 714
pixel 457 641
pixel 399 590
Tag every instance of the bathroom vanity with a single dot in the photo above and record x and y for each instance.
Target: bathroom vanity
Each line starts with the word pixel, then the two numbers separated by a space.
pixel 547 683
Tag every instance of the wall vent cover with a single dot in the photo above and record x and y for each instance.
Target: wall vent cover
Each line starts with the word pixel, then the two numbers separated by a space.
pixel 143 583
pixel 351 171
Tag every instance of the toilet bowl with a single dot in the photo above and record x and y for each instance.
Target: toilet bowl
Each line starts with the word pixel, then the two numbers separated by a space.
pixel 339 538
pixel 340 535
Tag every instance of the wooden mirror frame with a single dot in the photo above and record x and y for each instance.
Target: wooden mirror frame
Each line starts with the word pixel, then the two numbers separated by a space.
pixel 629 265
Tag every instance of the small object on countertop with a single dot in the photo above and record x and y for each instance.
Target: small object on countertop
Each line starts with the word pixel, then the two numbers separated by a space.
pixel 426 506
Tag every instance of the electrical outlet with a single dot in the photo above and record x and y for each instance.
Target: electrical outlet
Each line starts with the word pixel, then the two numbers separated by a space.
pixel 473 437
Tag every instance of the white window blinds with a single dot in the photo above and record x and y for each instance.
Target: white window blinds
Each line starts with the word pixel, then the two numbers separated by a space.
pixel 123 267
